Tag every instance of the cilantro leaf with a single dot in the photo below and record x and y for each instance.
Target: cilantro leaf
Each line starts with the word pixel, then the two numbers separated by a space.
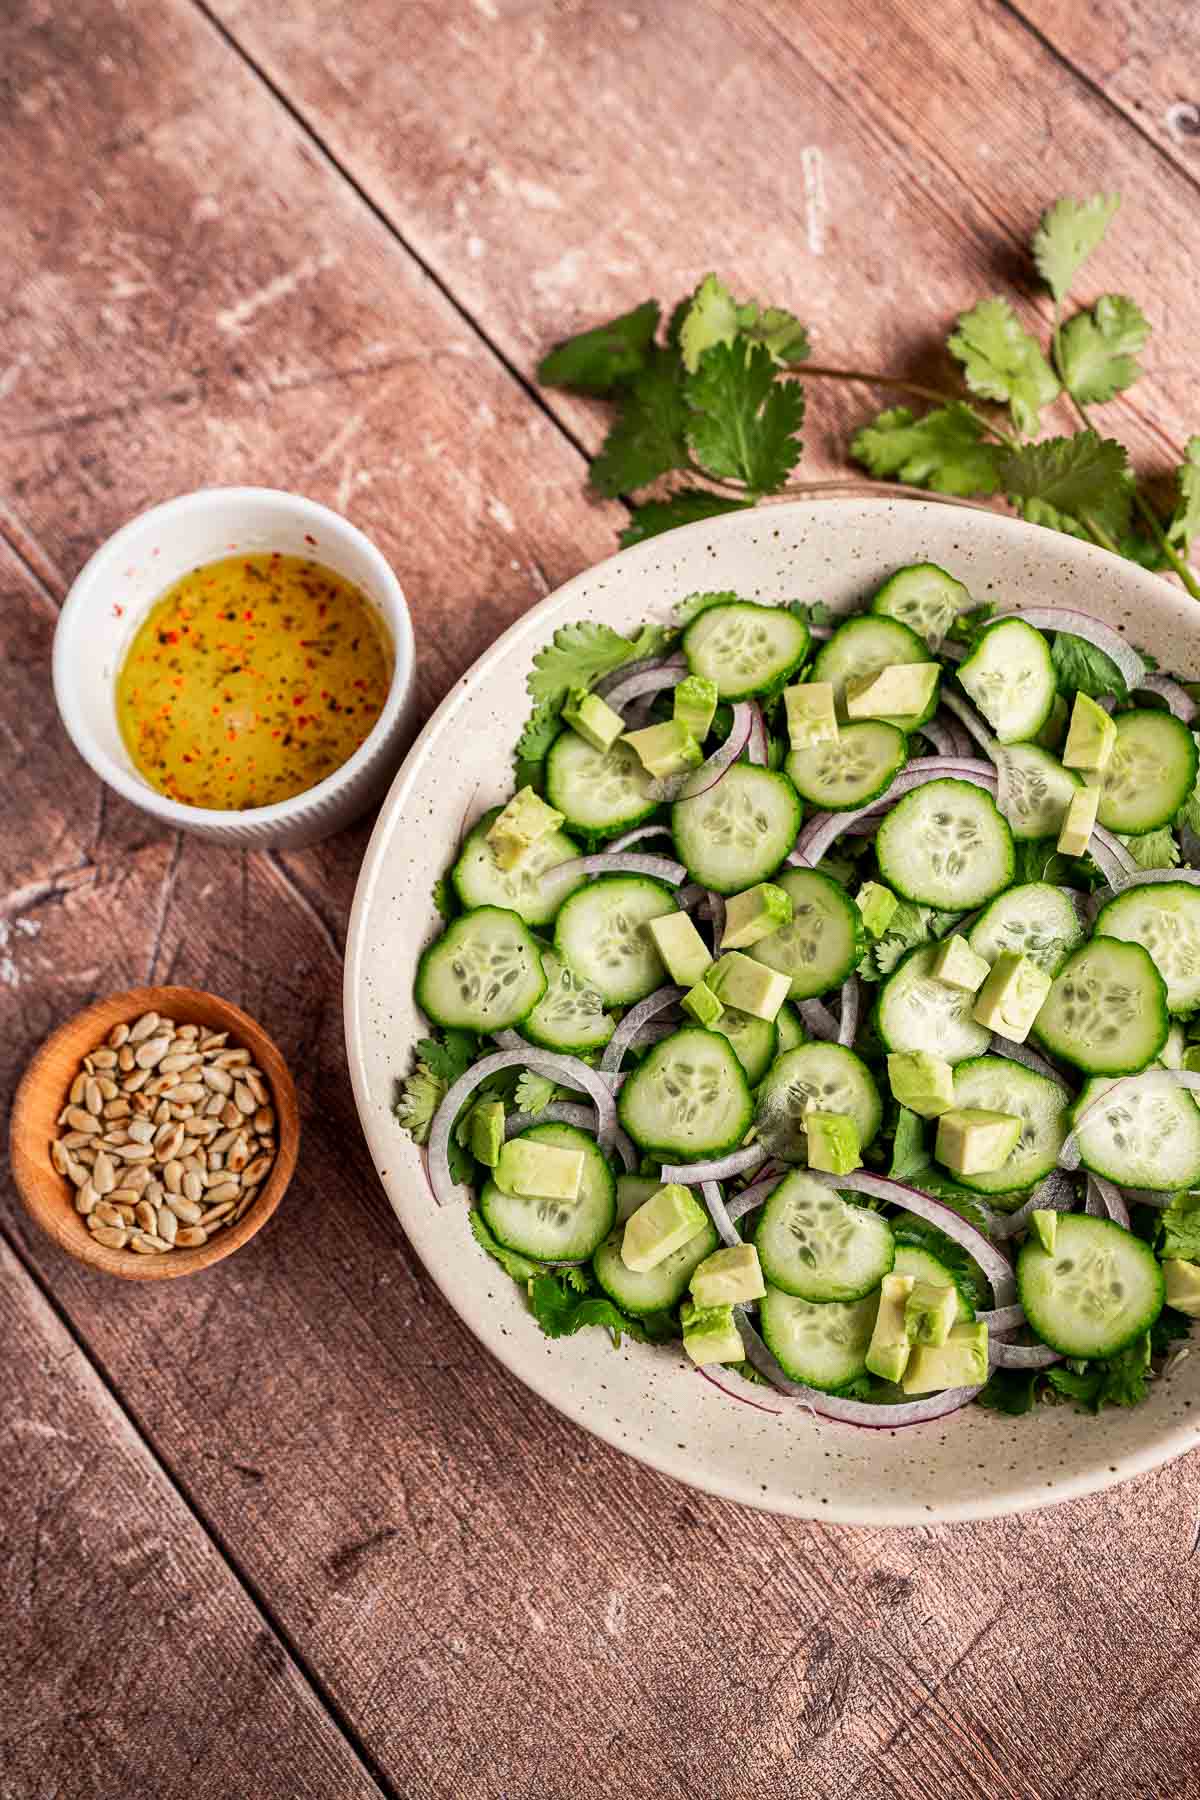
pixel 685 507
pixel 1070 230
pixel 779 331
pixel 946 450
pixel 909 1152
pixel 1001 361
pixel 1011 1391
pixel 1153 849
pixel 596 361
pixel 910 926
pixel 745 424
pixel 1180 1226
pixel 443 898
pixel 1038 859
pixel 647 438
pixel 711 318
pixel 813 612
pixel 692 605
pixel 440 1062
pixel 1099 348
pixel 560 1311
pixel 534 1092
pixel 540 730
pixel 1085 477
pixel 910 1228
pixel 1185 521
pixel 579 654
pixel 452 1056
pixel 1079 668
pixel 1119 1380
pixel 519 1267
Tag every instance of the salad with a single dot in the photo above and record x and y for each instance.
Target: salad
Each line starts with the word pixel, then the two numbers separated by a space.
pixel 822 1003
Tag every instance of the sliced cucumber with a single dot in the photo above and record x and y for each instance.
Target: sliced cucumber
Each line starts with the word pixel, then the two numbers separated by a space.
pixel 755 1041
pixel 813 1243
pixel 995 1084
pixel 746 649
pixel 923 1265
pixel 1150 773
pixel 822 1344
pixel 556 1230
pixel 915 1011
pixel 863 646
pixel 791 1033
pixel 1164 918
pixel 1101 1289
pixel 530 888
pixel 924 598
pixel 656 1289
pixel 860 763
pixel 601 936
pixel 1107 1009
pixel 817 1077
pixel 1033 791
pixel 738 831
pixel 598 791
pixel 570 1015
pixel 484 973
pixel 1034 920
pixel 1143 1134
pixel 945 845
pixel 1010 677
pixel 688 1099
pixel 825 940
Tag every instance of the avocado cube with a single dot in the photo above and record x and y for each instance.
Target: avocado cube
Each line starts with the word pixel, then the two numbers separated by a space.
pixel 930 1311
pixel 899 691
pixel 485 1131
pixel 973 1141
pixel 1091 737
pixel 877 904
pixel 922 1082
pixel 666 749
pixel 755 914
pixel 668 1220
pixel 701 1004
pixel 710 1334
pixel 1045 1228
pixel 1075 833
pixel 749 986
pixel 728 1277
pixel 695 704
pixel 958 966
pixel 1183 1286
pixel 833 1143
pixel 962 1361
pixel 1012 996
pixel 1053 732
pixel 811 714
pixel 889 1349
pixel 542 1171
pixel 593 718
pixel 681 947
pixel 1191 1059
pixel 522 823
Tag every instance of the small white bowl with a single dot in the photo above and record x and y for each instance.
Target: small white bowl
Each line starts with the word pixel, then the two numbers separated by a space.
pixel 112 594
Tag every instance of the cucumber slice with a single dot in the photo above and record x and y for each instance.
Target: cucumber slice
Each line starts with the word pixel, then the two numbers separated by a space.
pixel 1150 773
pixel 688 1099
pixel 746 649
pixel 738 831
pixel 598 791
pixel 813 1243
pixel 755 1041
pixel 529 888
pixel 1107 1009
pixel 997 1085
pixel 859 764
pixel 570 1016
pixel 1010 677
pixel 924 598
pixel 601 936
pixel 791 1033
pixel 817 1077
pixel 484 972
pixel 825 940
pixel 1144 1135
pixel 1034 920
pixel 656 1289
pixel 1164 918
pixel 915 1011
pixel 863 646
pixel 1101 1289
pixel 556 1230
pixel 923 1265
pixel 822 1344
pixel 1033 791
pixel 945 845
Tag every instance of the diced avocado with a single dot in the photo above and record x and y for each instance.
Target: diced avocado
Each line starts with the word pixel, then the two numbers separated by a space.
pixel 833 1142
pixel 665 1222
pixel 877 904
pixel 930 1311
pixel 485 1131
pixel 922 1082
pixel 1045 1228
pixel 695 704
pixel 541 1170
pixel 728 1277
pixel 681 947
pixel 1091 737
pixel 1076 832
pixel 1053 732
pixel 666 749
pixel 710 1334
pixel 1191 1059
pixel 749 986
pixel 593 718
pixel 972 1141
pixel 1183 1286
pixel 962 1361
pixel 1012 996
pixel 902 690
pixel 522 823
pixel 959 966
pixel 889 1349
pixel 811 714
pixel 702 1004
pixel 755 914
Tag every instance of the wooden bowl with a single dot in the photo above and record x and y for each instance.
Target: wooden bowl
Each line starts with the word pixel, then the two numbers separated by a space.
pixel 49 1197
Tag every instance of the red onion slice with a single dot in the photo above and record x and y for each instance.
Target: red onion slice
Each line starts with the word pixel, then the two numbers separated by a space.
pixel 1110 856
pixel 637 836
pixel 637 1017
pixel 1178 700
pixel 723 757
pixel 688 898
pixel 1160 1198
pixel 1069 1154
pixel 1143 878
pixel 851 1007
pixel 721 1168
pixel 756 749
pixel 1055 1194
pixel 824 828
pixel 645 676
pixel 1110 1202
pixel 622 862
pixel 714 906
pixel 849 1412
pixel 1003 1318
pixel 818 1021
pixel 559 1112
pixel 944 737
pixel 727 1231
pixel 1083 625
pixel 1029 1059
pixel 750 1197
pixel 974 723
pixel 897 1193
pixel 1021 1356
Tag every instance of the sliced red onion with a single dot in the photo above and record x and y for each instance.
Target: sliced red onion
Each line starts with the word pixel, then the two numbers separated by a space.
pixel 1021 1356
pixel 721 1168
pixel 756 749
pixel 1178 700
pixel 851 1007
pixel 1003 1318
pixel 823 829
pixel 646 676
pixel 714 907
pixel 1083 625
pixel 750 1197
pixel 566 1112
pixel 1110 1201
pixel 742 1399
pixel 1055 1194
pixel 944 737
pixel 633 1022
pixel 1160 1198
pixel 698 782
pixel 952 650
pixel 1143 878
pixel 898 1193
pixel 849 1412
pixel 727 1231
pixel 818 1021
pixel 1189 843
pixel 1029 1059
pixel 1069 1154
pixel 1110 856
pixel 974 723
pixel 637 836
pixel 622 862
pixel 689 897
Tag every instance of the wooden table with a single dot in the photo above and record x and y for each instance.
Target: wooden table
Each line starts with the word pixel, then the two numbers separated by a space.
pixel 285 1529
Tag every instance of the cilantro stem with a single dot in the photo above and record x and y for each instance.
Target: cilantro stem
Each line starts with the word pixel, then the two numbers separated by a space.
pixel 871 378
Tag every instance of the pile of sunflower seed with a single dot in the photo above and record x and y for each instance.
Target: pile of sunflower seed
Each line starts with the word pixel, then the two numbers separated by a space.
pixel 167 1136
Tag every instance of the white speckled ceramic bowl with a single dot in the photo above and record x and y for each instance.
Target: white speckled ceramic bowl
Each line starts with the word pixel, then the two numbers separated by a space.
pixel 648 1401
pixel 112 594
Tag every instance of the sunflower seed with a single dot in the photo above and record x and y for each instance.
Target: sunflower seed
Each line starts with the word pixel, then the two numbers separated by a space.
pixel 215 1160
pixel 239 1153
pixel 58 1155
pixel 123 1196
pixel 134 1152
pixel 214 1040
pixel 125 1059
pixel 230 1114
pixel 256 1170
pixel 78 1089
pixel 264 1119
pixel 107 1213
pixel 143 1028
pixel 216 1213
pixel 77 1173
pixel 104 1175
pixel 103 1059
pixel 183 1208
pixel 133 1084
pixel 137 1177
pixel 218 1080
pixel 151 1053
pixel 109 1236
pixel 86 1198
pixel 93 1099
pixel 117 1109
pixel 189 1237
pixel 118 1035
pixel 141 1131
pixel 167 1141
pixel 147 1243
pixel 176 1061
pixel 108 1087
pixel 80 1120
pixel 146 1216
pixel 187 1031
pixel 167 1225
pixel 193 1185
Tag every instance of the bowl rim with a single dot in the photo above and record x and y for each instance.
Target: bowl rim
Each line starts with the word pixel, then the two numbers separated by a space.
pixel 209 818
